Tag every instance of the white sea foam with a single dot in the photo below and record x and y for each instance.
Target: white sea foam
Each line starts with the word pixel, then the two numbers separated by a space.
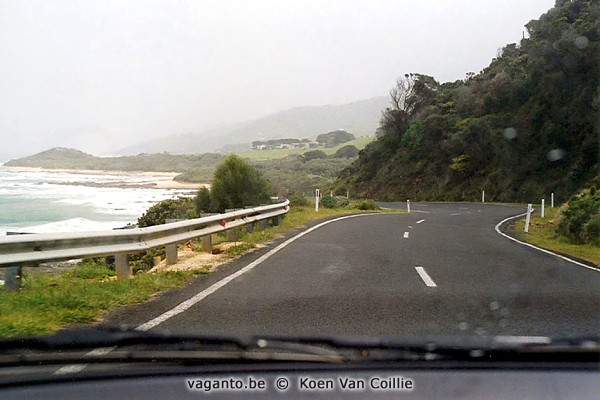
pixel 42 202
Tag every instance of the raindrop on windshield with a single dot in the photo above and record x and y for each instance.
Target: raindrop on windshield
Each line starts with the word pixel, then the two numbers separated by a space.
pixel 476 353
pixel 555 155
pixel 581 42
pixel 510 133
pixel 480 331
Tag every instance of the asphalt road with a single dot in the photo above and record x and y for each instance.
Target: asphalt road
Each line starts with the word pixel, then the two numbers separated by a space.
pixel 440 270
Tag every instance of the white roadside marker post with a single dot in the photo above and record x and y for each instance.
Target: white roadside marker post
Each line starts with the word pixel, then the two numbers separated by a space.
pixel 408 205
pixel 552 200
pixel 528 218
pixel 317 195
pixel 483 196
pixel 543 204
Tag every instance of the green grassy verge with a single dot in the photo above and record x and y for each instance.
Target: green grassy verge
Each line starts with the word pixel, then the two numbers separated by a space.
pixel 83 294
pixel 79 295
pixel 360 143
pixel 542 232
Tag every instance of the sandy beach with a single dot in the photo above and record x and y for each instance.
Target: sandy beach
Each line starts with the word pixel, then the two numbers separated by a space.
pixel 158 180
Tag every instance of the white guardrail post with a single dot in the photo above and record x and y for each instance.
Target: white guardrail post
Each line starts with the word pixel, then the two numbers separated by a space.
pixel 29 250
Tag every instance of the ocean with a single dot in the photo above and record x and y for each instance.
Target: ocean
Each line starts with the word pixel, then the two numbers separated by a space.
pixel 40 202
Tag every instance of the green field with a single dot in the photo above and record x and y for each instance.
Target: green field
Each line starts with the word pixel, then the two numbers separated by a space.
pixel 360 144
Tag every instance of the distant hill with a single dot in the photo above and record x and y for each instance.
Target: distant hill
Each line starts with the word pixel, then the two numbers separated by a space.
pixel 360 118
pixel 63 158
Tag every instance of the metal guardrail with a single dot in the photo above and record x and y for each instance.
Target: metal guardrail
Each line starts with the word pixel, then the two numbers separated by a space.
pixel 30 250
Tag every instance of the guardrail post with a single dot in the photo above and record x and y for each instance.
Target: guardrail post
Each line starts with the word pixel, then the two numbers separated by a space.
pixel 207 243
pixel 171 254
pixel 12 278
pixel 124 270
pixel 276 220
pixel 232 234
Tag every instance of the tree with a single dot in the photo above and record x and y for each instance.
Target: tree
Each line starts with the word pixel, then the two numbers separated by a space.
pixel 237 184
pixel 314 154
pixel 202 201
pixel 348 151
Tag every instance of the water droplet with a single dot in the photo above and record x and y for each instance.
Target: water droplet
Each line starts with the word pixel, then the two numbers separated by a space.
pixel 476 353
pixel 494 305
pixel 581 42
pixel 555 155
pixel 480 331
pixel 510 133
pixel 463 326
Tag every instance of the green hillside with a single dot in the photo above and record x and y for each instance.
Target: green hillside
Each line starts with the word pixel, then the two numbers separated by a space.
pixel 62 158
pixel 525 126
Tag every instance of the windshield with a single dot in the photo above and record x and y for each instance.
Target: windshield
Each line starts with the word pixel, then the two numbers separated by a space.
pixel 340 170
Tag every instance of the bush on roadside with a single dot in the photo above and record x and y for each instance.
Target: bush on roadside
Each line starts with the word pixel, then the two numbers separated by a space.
pixel 592 231
pixel 366 204
pixel 158 214
pixel 329 202
pixel 579 219
pixel 297 199
pixel 202 201
pixel 237 184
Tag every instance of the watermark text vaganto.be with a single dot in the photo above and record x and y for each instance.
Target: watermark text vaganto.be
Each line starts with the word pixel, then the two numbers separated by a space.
pixel 303 384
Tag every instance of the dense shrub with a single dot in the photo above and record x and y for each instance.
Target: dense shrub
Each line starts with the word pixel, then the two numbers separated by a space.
pixel 202 201
pixel 367 204
pixel 580 220
pixel 297 199
pixel 181 208
pixel 237 184
pixel 329 202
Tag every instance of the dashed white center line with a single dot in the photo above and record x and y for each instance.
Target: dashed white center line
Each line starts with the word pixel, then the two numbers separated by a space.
pixel 426 278
pixel 422 220
pixel 405 235
pixel 455 214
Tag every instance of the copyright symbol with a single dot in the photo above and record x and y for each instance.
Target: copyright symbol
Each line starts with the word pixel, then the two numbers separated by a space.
pixel 282 384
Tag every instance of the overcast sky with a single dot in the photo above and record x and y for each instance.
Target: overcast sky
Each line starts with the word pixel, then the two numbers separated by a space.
pixel 101 75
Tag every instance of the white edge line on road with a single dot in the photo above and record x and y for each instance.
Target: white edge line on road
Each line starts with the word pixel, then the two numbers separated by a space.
pixel 218 285
pixel 422 220
pixel 539 248
pixel 405 235
pixel 426 278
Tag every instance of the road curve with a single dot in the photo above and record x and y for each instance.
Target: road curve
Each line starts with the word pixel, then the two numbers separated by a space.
pixel 440 270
